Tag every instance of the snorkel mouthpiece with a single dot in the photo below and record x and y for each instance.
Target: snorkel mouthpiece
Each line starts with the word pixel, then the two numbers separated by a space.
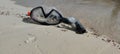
pixel 79 28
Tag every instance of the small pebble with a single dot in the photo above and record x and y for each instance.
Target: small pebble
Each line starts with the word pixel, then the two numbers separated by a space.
pixel 103 39
pixel 108 40
pixel 113 41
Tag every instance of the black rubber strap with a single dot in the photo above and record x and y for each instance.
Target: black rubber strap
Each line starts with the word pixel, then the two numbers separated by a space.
pixel 56 12
pixel 42 11
pixel 47 14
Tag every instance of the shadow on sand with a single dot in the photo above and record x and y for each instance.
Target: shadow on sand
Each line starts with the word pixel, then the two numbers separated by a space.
pixel 29 20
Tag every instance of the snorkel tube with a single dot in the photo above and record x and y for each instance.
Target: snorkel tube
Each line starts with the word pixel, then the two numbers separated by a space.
pixel 75 24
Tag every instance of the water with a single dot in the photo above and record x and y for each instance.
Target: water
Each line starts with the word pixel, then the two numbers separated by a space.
pixel 102 15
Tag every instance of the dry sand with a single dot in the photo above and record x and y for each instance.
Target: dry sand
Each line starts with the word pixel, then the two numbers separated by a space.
pixel 101 15
pixel 17 36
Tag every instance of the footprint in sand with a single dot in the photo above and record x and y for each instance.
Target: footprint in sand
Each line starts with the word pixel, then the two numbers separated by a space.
pixel 4 12
pixel 30 39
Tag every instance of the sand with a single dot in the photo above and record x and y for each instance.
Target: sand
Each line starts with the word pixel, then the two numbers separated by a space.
pixel 101 15
pixel 20 36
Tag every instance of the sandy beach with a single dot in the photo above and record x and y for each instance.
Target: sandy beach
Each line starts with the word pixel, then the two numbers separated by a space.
pixel 101 15
pixel 19 35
